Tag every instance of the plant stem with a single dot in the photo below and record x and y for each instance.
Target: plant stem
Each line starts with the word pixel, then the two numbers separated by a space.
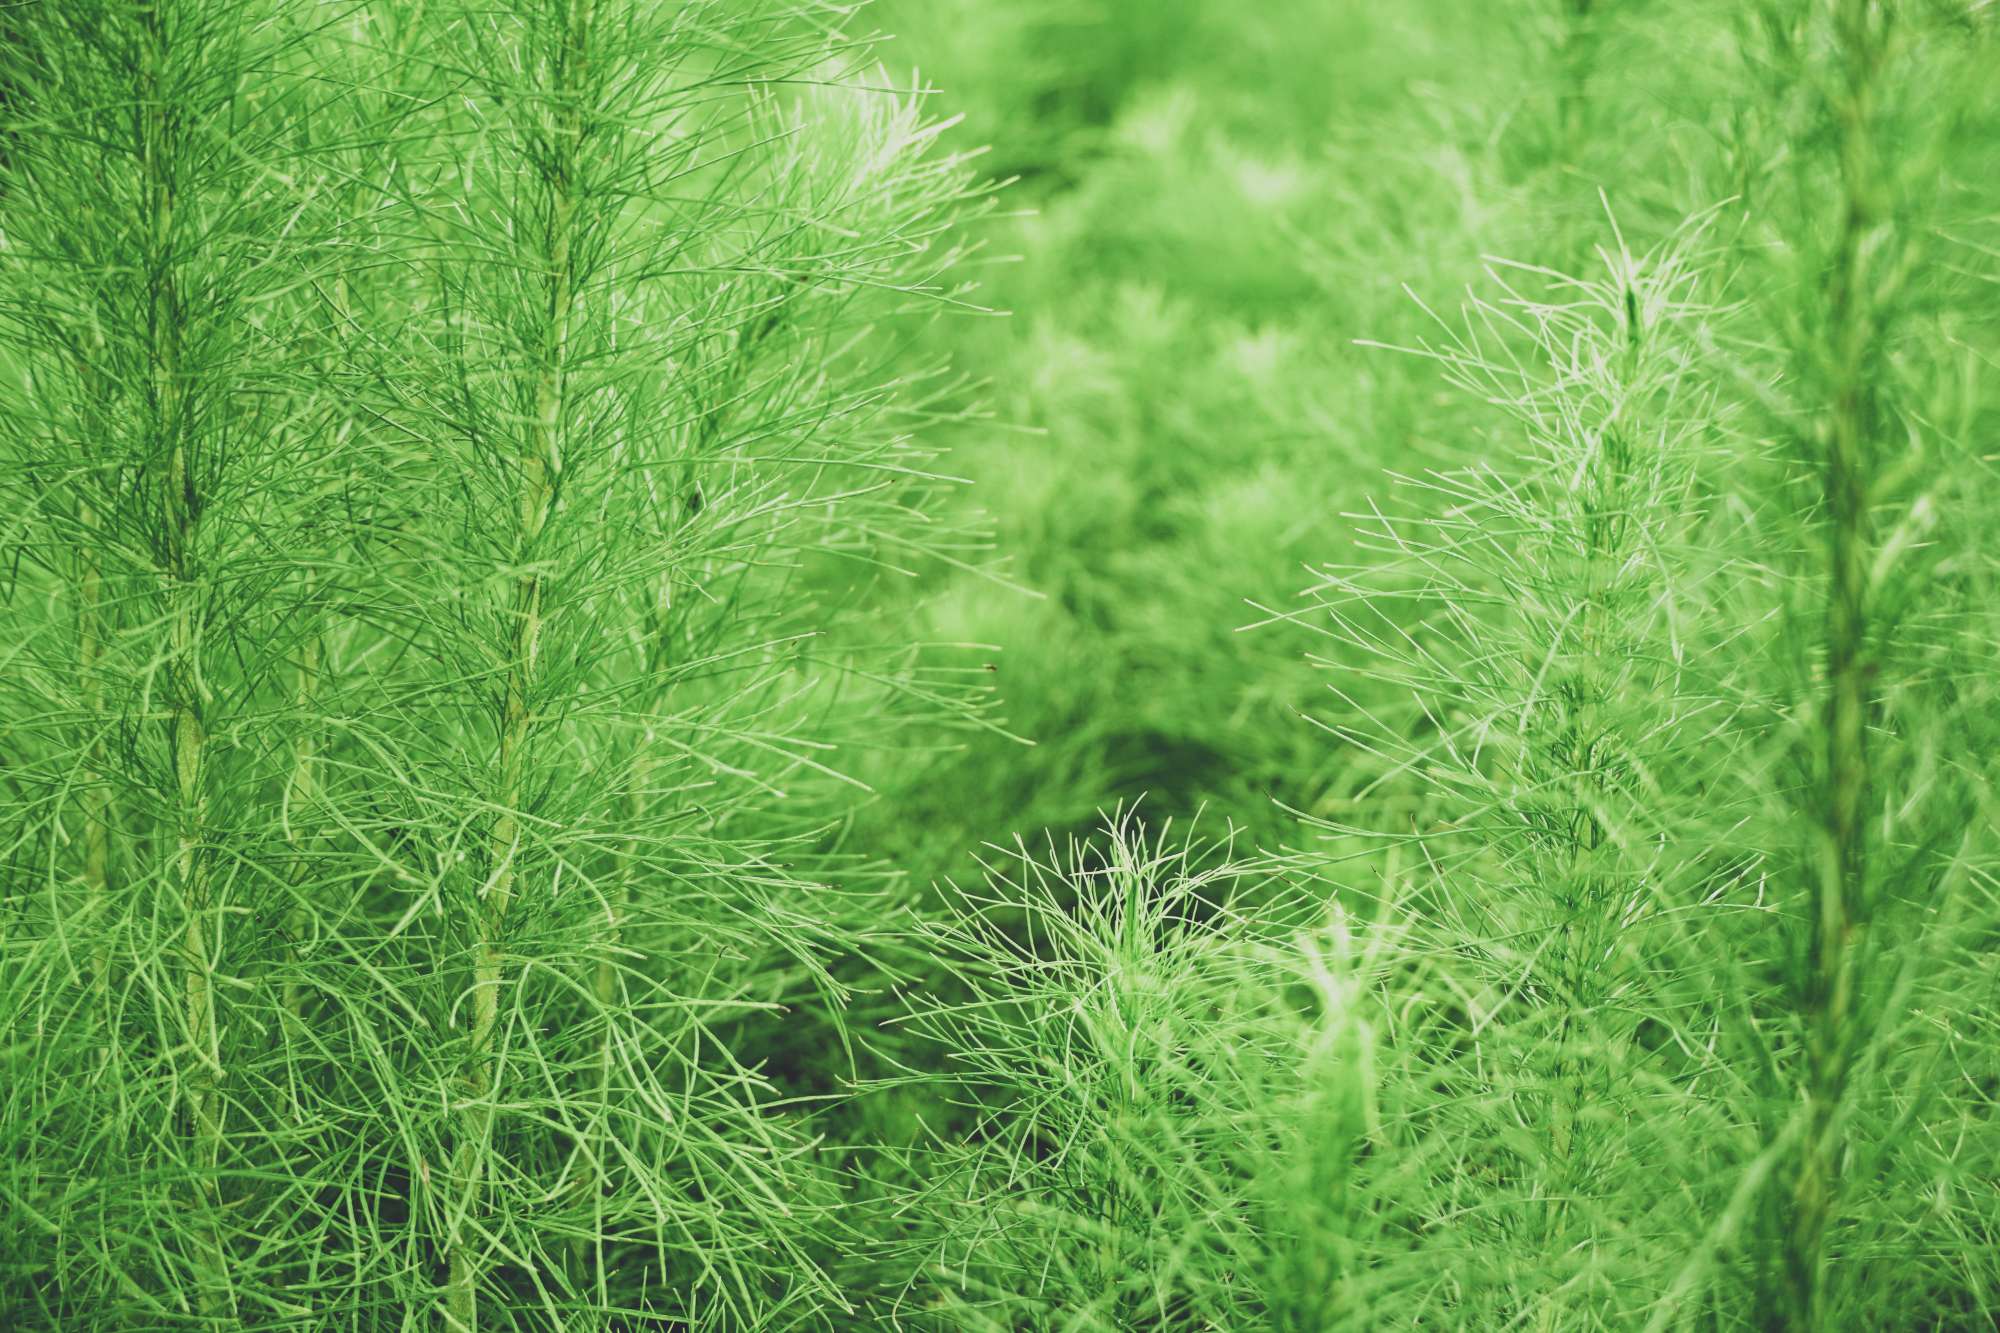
pixel 1578 59
pixel 305 739
pixel 1840 864
pixel 96 795
pixel 304 758
pixel 589 1249
pixel 180 511
pixel 538 464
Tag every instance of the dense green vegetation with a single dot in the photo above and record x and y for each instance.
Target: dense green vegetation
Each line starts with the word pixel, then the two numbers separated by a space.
pixel 1285 667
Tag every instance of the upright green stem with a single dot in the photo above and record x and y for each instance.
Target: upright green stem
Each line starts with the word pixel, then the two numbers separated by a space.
pixel 91 635
pixel 1588 870
pixel 180 507
pixel 96 794
pixel 305 738
pixel 588 1249
pixel 538 464
pixel 1839 869
pixel 607 964
pixel 1579 56
pixel 299 801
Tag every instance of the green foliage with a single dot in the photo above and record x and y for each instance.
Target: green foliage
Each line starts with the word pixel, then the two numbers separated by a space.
pixel 418 422
pixel 1196 262
pixel 1571 634
pixel 1580 672
pixel 1165 1078
pixel 533 795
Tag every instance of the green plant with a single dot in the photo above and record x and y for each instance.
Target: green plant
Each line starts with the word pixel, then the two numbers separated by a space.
pixel 429 515
pixel 1545 682
pixel 1163 1075
pixel 1840 862
pixel 154 248
pixel 491 667
pixel 1892 790
pixel 1179 418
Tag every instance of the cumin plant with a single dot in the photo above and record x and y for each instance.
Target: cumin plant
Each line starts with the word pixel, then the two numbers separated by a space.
pixel 1873 298
pixel 429 529
pixel 154 247
pixel 1113 1036
pixel 1839 886
pixel 1542 681
pixel 1180 1089
pixel 652 377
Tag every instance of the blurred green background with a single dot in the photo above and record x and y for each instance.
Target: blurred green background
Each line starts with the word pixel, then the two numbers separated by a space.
pixel 1209 204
